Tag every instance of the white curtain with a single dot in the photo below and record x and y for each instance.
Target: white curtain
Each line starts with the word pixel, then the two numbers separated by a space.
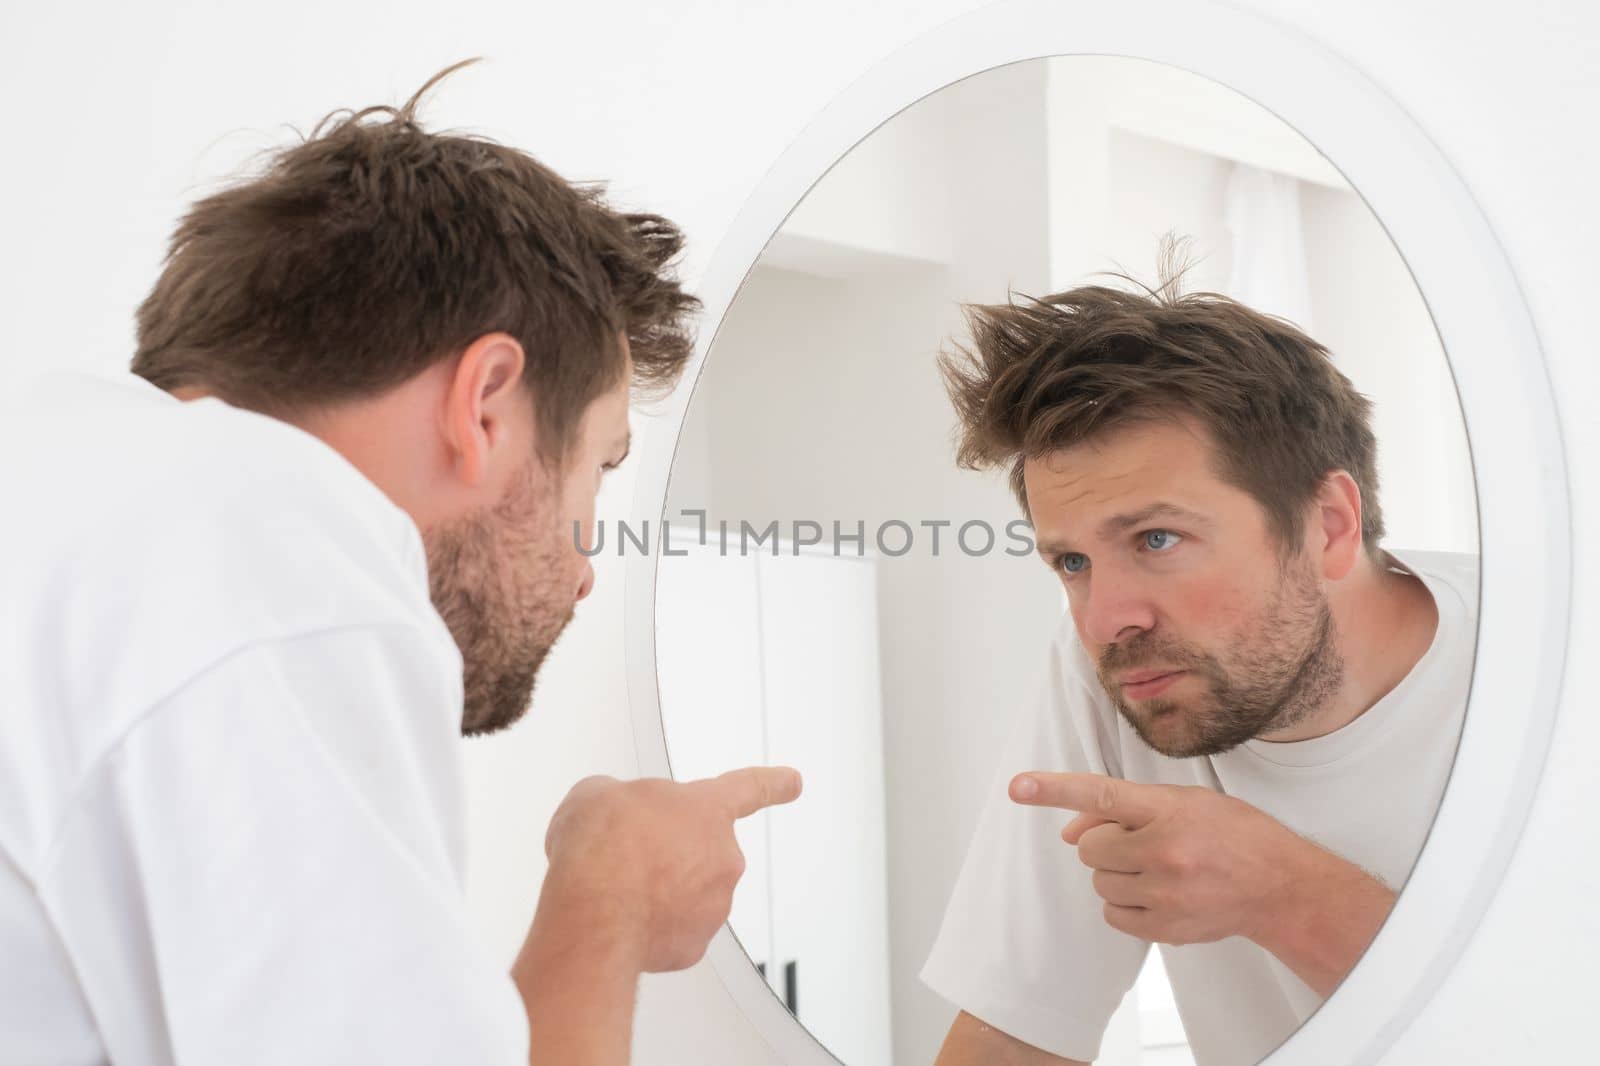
pixel 1261 210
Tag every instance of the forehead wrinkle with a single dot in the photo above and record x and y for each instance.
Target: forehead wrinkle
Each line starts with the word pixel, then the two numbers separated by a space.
pixel 1099 473
pixel 1106 489
pixel 1103 493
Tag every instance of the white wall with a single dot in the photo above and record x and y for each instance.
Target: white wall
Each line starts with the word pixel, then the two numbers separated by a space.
pixel 116 114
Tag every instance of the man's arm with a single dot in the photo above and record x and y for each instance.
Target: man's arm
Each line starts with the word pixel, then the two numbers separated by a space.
pixel 285 886
pixel 973 1042
pixel 1325 918
pixel 577 982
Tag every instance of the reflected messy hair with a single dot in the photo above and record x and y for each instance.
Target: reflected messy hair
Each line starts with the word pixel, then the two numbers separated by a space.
pixel 373 248
pixel 1043 374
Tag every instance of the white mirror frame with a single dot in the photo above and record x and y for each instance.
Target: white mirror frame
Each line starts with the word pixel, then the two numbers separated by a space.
pixel 1505 393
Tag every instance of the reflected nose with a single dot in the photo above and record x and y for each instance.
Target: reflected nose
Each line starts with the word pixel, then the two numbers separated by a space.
pixel 586 583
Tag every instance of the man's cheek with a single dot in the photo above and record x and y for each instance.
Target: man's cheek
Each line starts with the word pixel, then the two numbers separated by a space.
pixel 1199 610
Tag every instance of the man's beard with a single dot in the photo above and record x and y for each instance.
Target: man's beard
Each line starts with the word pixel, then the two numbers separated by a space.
pixel 1278 673
pixel 497 578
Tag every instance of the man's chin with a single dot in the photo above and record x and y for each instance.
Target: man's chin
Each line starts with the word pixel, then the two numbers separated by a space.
pixel 1169 729
pixel 1162 729
pixel 503 701
pixel 494 721
pixel 503 706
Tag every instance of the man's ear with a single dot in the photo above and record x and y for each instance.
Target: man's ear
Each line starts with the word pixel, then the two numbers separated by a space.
pixel 483 403
pixel 1334 531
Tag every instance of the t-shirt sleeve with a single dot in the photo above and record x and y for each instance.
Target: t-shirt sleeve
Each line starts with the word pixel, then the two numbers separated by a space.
pixel 1024 945
pixel 267 868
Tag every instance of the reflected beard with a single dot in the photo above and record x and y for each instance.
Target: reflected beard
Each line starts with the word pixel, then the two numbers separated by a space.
pixel 1280 673
pixel 495 577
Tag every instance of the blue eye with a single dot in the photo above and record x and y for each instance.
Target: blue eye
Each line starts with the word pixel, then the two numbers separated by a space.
pixel 1074 562
pixel 1160 540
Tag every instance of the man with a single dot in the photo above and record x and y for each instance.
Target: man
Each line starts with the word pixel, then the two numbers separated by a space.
pixel 1254 709
pixel 254 594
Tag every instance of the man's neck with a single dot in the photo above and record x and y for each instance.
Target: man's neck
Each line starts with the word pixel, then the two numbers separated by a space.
pixel 372 435
pixel 1384 622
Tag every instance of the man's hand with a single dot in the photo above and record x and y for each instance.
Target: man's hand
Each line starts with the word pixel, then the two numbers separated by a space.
pixel 641 878
pixel 1184 865
pixel 656 860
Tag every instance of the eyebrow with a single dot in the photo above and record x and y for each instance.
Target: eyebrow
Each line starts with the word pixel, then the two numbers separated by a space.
pixel 1123 522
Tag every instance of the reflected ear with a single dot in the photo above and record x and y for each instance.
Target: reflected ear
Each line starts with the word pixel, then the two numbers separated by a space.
pixel 483 401
pixel 1334 534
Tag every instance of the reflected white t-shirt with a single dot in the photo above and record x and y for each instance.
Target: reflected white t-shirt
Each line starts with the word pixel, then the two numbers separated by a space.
pixel 1024 945
pixel 231 802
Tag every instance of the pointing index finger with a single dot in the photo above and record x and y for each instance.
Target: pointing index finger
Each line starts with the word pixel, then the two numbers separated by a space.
pixel 757 787
pixel 1132 804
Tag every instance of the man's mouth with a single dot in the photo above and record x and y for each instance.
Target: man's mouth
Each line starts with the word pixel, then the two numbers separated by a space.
pixel 1143 684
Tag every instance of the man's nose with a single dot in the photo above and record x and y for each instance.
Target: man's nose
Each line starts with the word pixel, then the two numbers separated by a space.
pixel 1112 612
pixel 586 582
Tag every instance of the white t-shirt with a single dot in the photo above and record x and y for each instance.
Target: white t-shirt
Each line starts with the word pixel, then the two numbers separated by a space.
pixel 231 802
pixel 1024 945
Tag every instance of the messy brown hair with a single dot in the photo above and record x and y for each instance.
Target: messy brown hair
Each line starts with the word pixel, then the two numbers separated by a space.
pixel 1043 374
pixel 369 250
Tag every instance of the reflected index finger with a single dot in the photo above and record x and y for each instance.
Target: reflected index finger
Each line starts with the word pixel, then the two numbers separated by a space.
pixel 1130 803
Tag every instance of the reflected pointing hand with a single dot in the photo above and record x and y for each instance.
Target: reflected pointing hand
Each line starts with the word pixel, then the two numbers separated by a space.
pixel 1180 864
pixel 1175 864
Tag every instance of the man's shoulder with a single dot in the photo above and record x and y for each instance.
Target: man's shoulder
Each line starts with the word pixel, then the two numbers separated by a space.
pixel 170 534
pixel 1457 569
pixel 118 467
pixel 1452 577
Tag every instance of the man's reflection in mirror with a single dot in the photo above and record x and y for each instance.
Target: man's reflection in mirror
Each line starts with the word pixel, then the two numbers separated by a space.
pixel 1251 706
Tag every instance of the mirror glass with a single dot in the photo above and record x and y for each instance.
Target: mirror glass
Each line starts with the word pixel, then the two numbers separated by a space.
pixel 837 594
